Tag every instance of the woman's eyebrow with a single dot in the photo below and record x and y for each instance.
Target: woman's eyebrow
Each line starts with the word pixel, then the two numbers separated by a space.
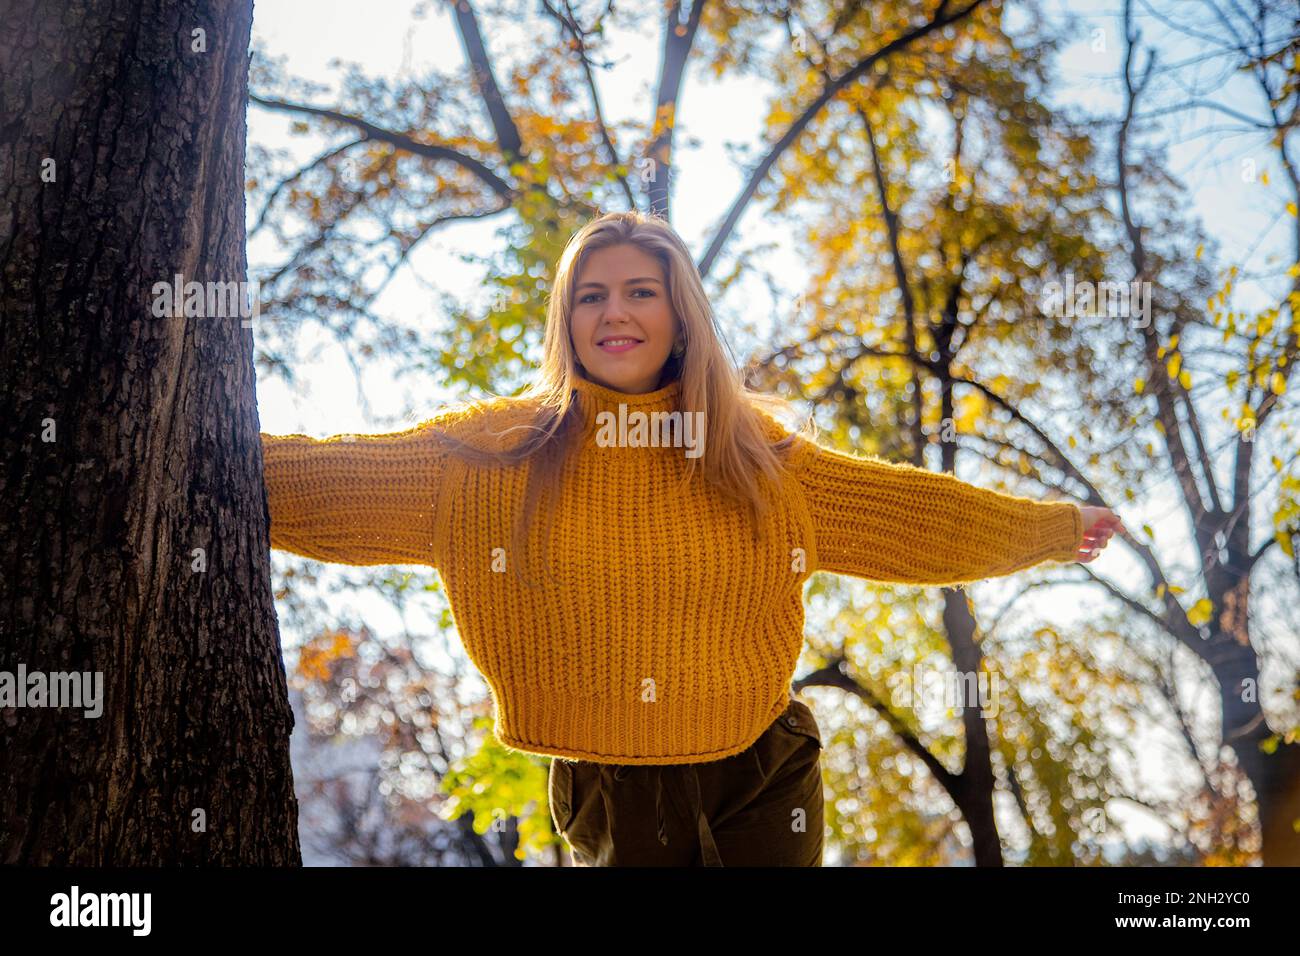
pixel 601 285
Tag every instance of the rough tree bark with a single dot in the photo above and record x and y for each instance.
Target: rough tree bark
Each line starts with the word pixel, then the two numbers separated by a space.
pixel 129 441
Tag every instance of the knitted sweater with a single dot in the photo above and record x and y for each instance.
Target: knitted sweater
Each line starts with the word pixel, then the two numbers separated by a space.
pixel 672 638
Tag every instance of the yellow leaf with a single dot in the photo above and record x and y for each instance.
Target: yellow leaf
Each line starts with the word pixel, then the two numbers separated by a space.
pixel 1278 383
pixel 1175 589
pixel 1290 207
pixel 1200 249
pixel 1201 612
pixel 1284 542
pixel 1174 364
pixel 1185 380
pixel 1149 533
pixel 1139 385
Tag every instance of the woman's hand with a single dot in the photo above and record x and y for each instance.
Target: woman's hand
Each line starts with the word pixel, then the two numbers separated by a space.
pixel 1098 525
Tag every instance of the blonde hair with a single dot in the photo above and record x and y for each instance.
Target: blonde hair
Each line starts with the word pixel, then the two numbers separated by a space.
pixel 740 454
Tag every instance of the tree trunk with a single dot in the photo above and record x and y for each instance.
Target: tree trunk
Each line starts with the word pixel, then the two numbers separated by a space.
pixel 975 796
pixel 1273 772
pixel 133 522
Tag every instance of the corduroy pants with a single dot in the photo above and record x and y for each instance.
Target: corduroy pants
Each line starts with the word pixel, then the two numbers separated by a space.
pixel 761 807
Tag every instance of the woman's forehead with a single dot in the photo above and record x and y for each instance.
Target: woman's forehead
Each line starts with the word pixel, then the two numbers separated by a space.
pixel 622 263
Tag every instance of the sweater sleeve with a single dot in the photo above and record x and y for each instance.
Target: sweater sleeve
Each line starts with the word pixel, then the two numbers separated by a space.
pixel 355 499
pixel 894 522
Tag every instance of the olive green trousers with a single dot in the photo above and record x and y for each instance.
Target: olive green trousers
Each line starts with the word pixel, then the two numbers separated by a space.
pixel 761 807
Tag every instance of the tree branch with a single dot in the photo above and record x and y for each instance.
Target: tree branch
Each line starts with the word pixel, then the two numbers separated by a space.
pixel 940 20
pixel 678 39
pixel 570 24
pixel 400 140
pixel 834 675
pixel 507 134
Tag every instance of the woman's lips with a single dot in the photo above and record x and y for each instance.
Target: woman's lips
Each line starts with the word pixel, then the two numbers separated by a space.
pixel 625 346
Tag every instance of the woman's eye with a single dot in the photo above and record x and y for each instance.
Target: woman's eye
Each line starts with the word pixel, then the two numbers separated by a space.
pixel 595 295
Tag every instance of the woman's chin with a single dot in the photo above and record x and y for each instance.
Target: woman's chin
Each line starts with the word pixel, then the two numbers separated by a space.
pixel 626 380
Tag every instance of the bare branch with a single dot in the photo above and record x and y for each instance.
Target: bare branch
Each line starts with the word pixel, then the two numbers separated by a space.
pixel 400 140
pixel 279 187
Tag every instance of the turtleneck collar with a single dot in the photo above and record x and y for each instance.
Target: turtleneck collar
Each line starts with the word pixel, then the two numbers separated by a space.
pixel 594 399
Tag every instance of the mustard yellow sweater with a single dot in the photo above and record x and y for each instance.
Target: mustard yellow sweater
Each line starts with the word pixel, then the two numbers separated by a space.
pixel 672 638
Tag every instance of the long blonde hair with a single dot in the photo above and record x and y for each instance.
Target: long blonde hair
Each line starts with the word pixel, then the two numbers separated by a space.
pixel 740 454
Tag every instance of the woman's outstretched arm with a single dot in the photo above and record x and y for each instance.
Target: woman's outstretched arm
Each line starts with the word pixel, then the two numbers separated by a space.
pixel 898 523
pixel 354 499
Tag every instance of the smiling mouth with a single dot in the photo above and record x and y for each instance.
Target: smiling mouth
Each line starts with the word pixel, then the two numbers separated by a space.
pixel 618 343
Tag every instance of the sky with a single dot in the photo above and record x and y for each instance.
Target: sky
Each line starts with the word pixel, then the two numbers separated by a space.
pixel 384 39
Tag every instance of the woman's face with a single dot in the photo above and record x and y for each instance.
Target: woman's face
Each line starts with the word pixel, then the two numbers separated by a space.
pixel 621 293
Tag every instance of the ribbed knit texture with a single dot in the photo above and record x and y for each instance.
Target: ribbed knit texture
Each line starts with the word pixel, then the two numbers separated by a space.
pixel 671 637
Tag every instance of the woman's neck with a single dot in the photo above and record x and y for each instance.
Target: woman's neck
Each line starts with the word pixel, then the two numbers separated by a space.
pixel 595 399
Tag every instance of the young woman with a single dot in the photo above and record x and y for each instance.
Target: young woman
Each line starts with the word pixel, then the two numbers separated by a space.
pixel 624 548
